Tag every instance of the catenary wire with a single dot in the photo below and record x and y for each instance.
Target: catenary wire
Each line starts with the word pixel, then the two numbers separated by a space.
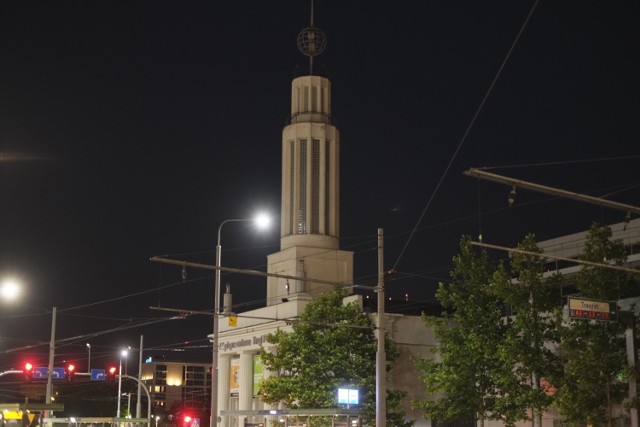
pixel 562 163
pixel 466 133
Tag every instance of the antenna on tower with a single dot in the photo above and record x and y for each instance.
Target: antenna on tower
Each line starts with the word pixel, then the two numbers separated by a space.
pixel 311 41
pixel 312 13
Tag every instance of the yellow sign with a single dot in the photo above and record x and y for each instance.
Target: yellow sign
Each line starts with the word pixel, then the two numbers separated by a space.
pixel 12 415
pixel 592 309
pixel 233 320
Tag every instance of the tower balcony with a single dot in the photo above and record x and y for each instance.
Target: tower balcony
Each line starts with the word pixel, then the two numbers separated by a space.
pixel 310 117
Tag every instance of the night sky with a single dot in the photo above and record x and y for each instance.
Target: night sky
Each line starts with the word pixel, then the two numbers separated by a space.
pixel 133 129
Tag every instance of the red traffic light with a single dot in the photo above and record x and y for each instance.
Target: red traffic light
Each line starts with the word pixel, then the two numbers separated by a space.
pixel 71 370
pixel 111 373
pixel 28 370
pixel 187 420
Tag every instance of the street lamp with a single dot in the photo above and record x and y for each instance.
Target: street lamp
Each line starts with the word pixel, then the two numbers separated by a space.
pixel 123 353
pixel 9 290
pixel 262 221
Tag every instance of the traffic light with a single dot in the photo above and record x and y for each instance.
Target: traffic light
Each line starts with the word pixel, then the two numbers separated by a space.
pixel 28 371
pixel 111 373
pixel 71 370
pixel 186 420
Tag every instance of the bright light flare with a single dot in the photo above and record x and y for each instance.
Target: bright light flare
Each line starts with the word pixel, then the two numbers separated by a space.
pixel 262 221
pixel 10 290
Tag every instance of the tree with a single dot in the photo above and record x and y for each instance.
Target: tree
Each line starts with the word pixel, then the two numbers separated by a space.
pixel 489 362
pixel 332 345
pixel 594 353
pixel 529 345
pixel 463 375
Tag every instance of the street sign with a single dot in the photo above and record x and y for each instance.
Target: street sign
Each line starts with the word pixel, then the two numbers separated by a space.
pixel 98 375
pixel 58 373
pixel 41 372
pixel 580 308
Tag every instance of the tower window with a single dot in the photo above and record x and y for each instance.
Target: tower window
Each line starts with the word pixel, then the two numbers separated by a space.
pixel 302 208
pixel 327 187
pixel 314 99
pixel 292 176
pixel 315 186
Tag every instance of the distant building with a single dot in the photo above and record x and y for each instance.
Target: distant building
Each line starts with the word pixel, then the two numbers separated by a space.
pixel 571 245
pixel 180 384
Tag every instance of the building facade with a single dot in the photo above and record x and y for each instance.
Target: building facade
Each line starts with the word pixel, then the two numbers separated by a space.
pixel 178 386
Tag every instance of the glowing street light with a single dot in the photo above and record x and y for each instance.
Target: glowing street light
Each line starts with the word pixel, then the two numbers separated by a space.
pixel 262 221
pixel 10 290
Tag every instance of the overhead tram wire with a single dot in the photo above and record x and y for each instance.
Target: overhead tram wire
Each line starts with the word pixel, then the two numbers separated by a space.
pixel 288 320
pixel 562 163
pixel 467 131
pixel 72 340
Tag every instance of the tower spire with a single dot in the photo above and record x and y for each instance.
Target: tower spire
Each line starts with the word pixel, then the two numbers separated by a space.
pixel 312 13
pixel 311 41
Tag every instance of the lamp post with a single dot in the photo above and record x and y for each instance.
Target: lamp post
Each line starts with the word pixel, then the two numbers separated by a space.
pixel 123 353
pixel 262 221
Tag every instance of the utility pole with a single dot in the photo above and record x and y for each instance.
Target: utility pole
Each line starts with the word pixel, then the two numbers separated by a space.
pixel 381 357
pixel 52 351
pixel 138 402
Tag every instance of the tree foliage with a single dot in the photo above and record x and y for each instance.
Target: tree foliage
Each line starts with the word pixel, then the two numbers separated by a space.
pixel 331 346
pixel 488 359
pixel 464 375
pixel 594 353
pixel 503 335
pixel 528 345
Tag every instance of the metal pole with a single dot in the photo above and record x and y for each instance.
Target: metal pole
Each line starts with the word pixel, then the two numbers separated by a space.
pixel 146 390
pixel 119 386
pixel 138 402
pixel 517 183
pixel 631 360
pixel 52 351
pixel 381 357
pixel 214 361
pixel 89 358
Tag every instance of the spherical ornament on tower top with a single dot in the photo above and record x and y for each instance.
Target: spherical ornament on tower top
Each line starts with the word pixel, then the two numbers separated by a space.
pixel 311 41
